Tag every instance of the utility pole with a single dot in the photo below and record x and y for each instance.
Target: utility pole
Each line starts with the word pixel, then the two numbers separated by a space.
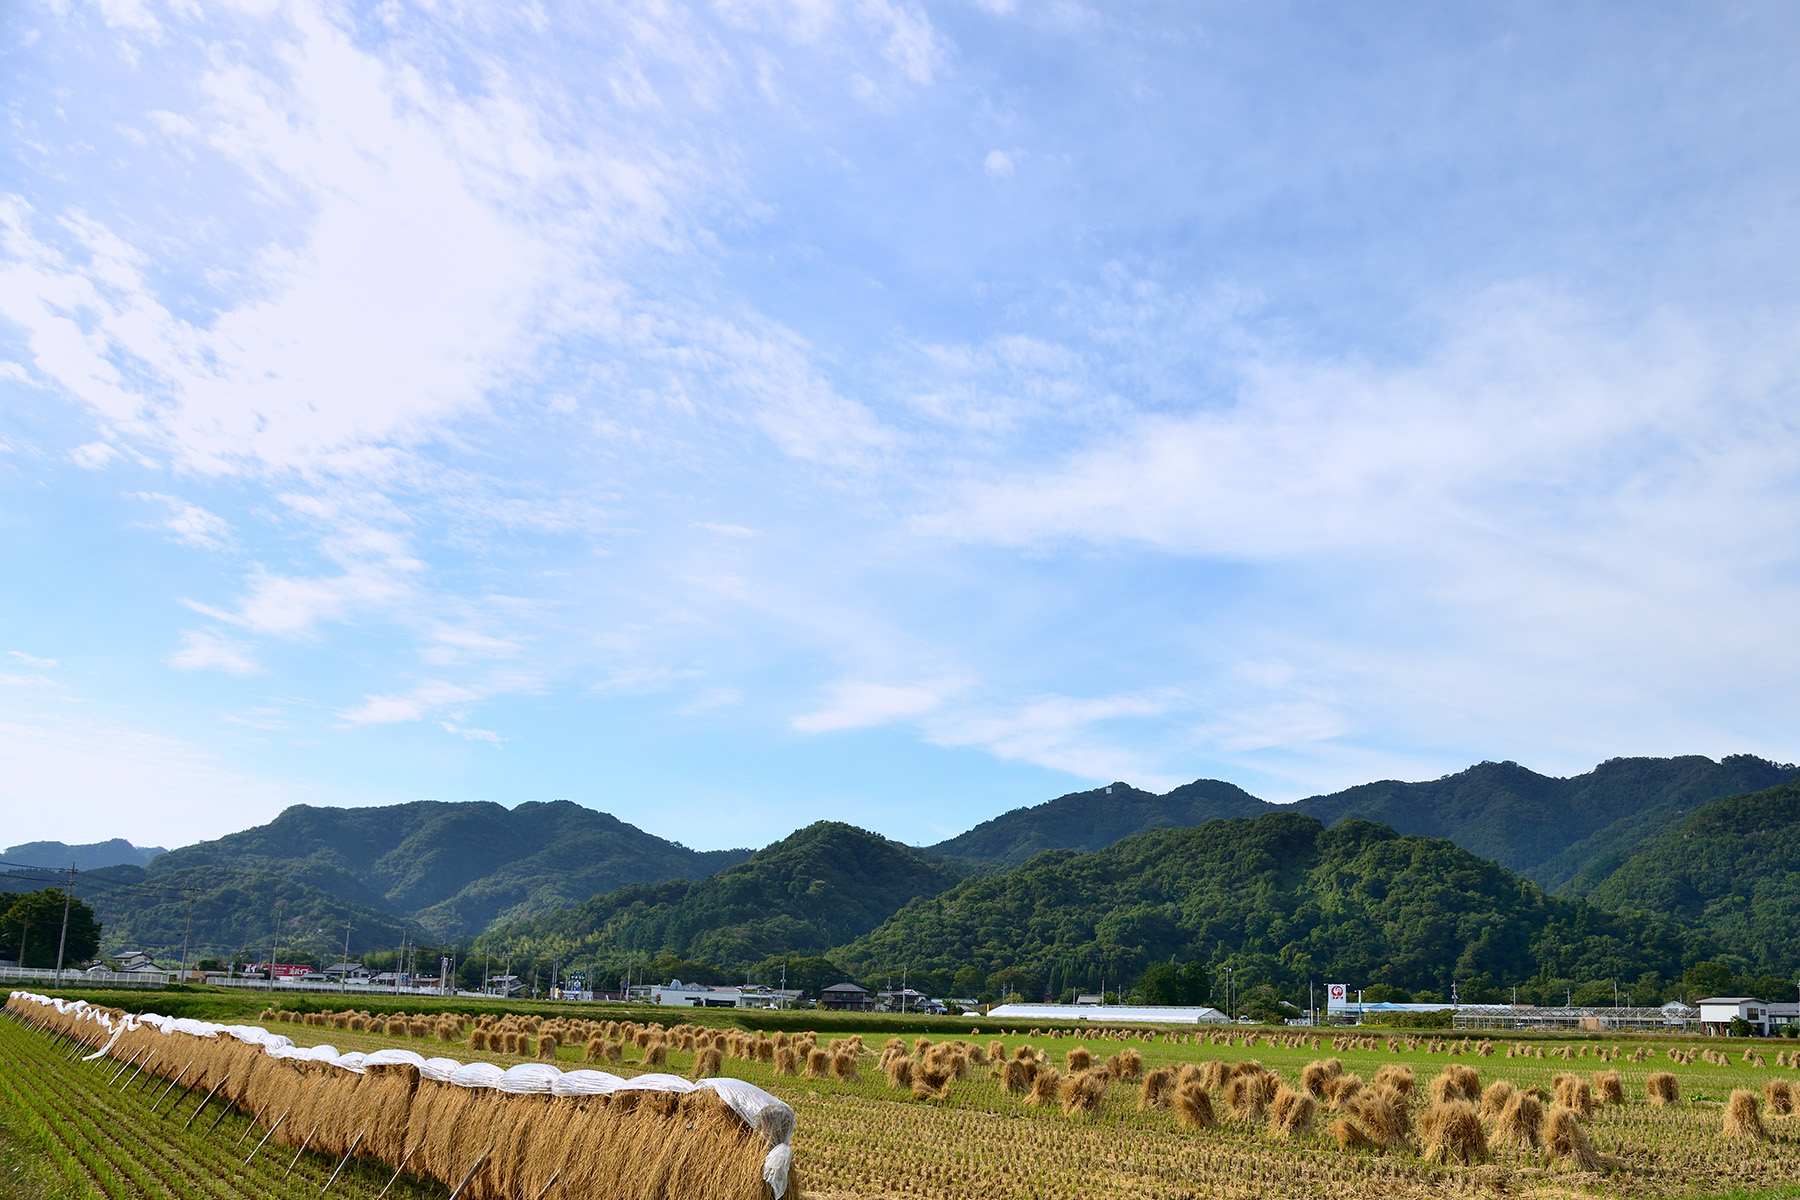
pixel 781 1000
pixel 68 898
pixel 343 975
pixel 275 946
pixel 187 933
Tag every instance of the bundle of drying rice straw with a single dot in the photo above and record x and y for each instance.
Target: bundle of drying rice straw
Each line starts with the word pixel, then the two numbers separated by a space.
pixel 501 1135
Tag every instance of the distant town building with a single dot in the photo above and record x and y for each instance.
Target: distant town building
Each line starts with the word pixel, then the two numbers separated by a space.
pixel 1718 1012
pixel 699 995
pixel 846 997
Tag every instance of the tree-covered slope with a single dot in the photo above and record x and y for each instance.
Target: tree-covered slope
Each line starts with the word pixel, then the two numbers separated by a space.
pixel 1566 834
pixel 1280 898
pixel 235 914
pixel 818 888
pixel 1095 819
pixel 454 868
pixel 1729 872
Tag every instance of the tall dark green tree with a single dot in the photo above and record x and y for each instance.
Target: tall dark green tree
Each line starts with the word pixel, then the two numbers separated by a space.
pixel 34 920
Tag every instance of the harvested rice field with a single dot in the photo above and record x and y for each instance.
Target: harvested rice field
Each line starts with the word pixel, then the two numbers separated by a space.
pixel 1004 1112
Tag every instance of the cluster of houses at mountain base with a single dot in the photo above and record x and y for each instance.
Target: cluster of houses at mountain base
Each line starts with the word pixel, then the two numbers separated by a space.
pixel 1715 1015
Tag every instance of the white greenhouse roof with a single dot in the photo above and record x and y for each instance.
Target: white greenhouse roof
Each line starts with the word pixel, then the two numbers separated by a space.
pixel 1108 1013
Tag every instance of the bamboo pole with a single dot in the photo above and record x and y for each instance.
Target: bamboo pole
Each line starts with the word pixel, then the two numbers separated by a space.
pixel 471 1173
pixel 302 1150
pixel 266 1137
pixel 165 1092
pixel 343 1164
pixel 203 1105
pixel 127 1066
pixel 397 1170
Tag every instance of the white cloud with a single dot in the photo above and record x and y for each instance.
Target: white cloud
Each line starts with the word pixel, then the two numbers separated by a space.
pixel 1531 419
pixel 93 455
pixel 191 525
pixel 858 705
pixel 408 296
pixel 204 650
pixel 998 164
pixel 32 660
pixel 473 735
pixel 1061 732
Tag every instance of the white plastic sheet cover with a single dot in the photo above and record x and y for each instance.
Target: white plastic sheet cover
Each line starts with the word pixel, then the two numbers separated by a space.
pixel 764 1113
pixel 585 1083
pixel 440 1069
pixel 387 1058
pixel 477 1075
pixel 528 1079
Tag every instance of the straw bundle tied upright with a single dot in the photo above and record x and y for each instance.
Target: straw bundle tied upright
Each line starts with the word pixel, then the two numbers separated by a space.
pixel 591 1134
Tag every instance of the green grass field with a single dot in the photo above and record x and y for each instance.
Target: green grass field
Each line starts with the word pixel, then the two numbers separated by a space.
pixel 862 1138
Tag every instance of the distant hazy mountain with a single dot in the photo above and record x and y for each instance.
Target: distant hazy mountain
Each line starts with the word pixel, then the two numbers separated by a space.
pixel 453 868
pixel 1093 820
pixel 87 857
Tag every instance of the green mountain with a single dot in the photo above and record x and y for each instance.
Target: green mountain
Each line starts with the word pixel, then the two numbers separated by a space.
pixel 1730 873
pixel 448 870
pixel 87 857
pixel 815 889
pixel 1280 898
pixel 1098 818
pixel 1566 834
pixel 235 915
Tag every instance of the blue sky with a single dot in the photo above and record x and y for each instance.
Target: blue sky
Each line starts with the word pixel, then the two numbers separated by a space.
pixel 731 415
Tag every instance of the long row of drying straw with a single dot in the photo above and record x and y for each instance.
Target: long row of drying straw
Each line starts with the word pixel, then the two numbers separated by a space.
pixel 490 1144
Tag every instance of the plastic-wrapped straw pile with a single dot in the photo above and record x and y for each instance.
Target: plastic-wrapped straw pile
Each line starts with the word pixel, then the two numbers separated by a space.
pixel 497 1134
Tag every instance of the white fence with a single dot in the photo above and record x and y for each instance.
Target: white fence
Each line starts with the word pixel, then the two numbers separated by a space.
pixel 73 978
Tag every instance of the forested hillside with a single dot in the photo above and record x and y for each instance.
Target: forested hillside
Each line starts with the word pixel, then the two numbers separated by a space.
pixel 1562 833
pixel 1280 898
pixel 1730 872
pixel 819 888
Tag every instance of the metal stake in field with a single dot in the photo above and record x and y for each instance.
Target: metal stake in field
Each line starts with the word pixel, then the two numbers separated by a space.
pixel 203 1104
pixel 299 1152
pixel 267 1136
pixel 545 1190
pixel 139 1071
pixel 185 1093
pixel 172 1083
pixel 126 1067
pixel 341 1165
pixel 397 1170
pixel 465 1179
pixel 224 1111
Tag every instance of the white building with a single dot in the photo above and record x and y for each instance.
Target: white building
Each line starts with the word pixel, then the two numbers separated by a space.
pixel 1136 1014
pixel 1717 1013
pixel 698 995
